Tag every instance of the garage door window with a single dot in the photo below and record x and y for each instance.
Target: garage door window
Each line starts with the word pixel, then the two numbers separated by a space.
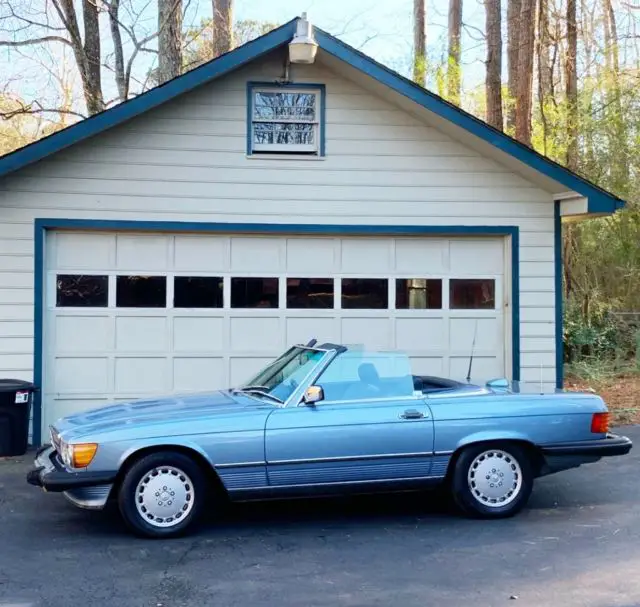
pixel 472 294
pixel 365 293
pixel 254 293
pixel 197 292
pixel 418 294
pixel 141 292
pixel 310 293
pixel 81 291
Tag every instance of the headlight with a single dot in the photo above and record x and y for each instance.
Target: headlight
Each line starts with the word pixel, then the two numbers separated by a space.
pixel 77 455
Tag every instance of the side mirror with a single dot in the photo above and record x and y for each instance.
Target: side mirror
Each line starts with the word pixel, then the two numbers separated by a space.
pixel 312 395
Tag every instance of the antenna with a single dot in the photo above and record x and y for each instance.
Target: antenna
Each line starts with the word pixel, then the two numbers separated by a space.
pixel 473 347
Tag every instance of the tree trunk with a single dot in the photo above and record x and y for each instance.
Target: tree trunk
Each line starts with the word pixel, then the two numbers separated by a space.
pixel 169 39
pixel 545 73
pixel 513 36
pixel 453 67
pixel 493 79
pixel 525 71
pixel 92 52
pixel 618 140
pixel 118 52
pixel 419 42
pixel 87 54
pixel 571 82
pixel 222 26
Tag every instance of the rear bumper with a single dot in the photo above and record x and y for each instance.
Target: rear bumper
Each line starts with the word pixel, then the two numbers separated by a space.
pixel 50 475
pixel 613 444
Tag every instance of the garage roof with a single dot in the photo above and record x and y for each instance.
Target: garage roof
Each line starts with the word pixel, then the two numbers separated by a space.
pixel 599 200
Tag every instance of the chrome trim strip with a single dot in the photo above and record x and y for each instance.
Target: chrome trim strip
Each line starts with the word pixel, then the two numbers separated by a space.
pixel 341 483
pixel 349 458
pixel 368 401
pixel 443 452
pixel 239 465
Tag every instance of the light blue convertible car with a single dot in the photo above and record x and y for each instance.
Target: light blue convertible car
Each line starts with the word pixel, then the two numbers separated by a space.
pixel 321 419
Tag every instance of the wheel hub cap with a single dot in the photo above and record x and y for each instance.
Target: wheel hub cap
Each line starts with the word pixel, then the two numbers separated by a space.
pixel 495 478
pixel 164 496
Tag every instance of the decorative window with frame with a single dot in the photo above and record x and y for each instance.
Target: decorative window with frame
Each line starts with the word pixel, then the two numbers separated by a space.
pixel 286 119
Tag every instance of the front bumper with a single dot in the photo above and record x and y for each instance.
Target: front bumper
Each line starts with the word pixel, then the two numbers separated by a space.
pixel 612 444
pixel 49 474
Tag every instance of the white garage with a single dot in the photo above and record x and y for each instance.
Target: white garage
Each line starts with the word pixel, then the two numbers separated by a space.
pixel 178 241
pixel 132 314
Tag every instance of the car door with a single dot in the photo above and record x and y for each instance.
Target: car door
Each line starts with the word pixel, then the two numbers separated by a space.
pixel 346 438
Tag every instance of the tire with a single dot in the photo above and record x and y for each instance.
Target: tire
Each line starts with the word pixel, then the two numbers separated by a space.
pixel 492 480
pixel 162 495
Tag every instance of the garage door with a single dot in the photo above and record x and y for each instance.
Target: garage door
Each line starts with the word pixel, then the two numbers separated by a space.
pixel 136 314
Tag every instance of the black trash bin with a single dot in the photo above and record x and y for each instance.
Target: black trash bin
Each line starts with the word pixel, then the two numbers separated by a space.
pixel 16 397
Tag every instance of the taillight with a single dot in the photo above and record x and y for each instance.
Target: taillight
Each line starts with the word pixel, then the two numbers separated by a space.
pixel 600 423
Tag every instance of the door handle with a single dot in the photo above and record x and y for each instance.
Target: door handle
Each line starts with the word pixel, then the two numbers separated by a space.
pixel 412 414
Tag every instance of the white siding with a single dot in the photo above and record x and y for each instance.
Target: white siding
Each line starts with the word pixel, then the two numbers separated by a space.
pixel 187 161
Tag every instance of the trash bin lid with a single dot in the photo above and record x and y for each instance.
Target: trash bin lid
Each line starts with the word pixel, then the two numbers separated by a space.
pixel 13 385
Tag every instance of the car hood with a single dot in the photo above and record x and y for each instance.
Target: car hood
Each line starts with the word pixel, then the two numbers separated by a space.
pixel 189 408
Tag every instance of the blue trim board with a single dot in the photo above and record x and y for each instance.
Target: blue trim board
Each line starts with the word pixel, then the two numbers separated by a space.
pixel 557 245
pixel 287 85
pixel 42 225
pixel 600 201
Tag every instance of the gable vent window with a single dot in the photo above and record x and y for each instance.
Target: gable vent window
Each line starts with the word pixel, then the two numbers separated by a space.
pixel 286 121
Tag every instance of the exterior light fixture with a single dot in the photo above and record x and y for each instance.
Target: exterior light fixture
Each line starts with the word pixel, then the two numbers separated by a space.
pixel 303 47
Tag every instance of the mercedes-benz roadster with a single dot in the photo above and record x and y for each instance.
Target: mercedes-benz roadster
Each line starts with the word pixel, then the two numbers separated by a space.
pixel 319 420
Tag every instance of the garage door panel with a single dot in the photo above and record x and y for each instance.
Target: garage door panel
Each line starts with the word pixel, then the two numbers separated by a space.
pixel 438 290
pixel 370 256
pixel 255 333
pixel 141 334
pixel 82 334
pixel 137 251
pixel 371 332
pixel 198 333
pixel 87 374
pixel 311 256
pixel 488 336
pixel 475 256
pixel 257 254
pixel 201 254
pixel 482 367
pixel 198 374
pixel 98 251
pixel 140 375
pixel 420 256
pixel 421 333
pixel 301 330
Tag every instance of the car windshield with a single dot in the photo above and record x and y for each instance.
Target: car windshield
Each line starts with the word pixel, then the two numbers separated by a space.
pixel 280 378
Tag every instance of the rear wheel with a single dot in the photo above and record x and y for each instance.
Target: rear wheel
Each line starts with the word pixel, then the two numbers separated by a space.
pixel 162 494
pixel 492 480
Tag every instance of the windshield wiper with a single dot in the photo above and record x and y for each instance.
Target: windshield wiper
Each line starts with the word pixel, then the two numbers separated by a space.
pixel 257 390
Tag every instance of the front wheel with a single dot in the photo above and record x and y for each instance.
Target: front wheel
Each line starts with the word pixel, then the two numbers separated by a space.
pixel 161 495
pixel 492 481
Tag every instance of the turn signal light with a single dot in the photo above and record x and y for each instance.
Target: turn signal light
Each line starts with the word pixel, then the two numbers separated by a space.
pixel 600 423
pixel 83 454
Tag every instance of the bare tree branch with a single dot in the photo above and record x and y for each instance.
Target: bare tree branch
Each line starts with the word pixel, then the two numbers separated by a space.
pixel 31 41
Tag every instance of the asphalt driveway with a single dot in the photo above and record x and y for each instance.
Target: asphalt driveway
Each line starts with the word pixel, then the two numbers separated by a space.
pixel 577 544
